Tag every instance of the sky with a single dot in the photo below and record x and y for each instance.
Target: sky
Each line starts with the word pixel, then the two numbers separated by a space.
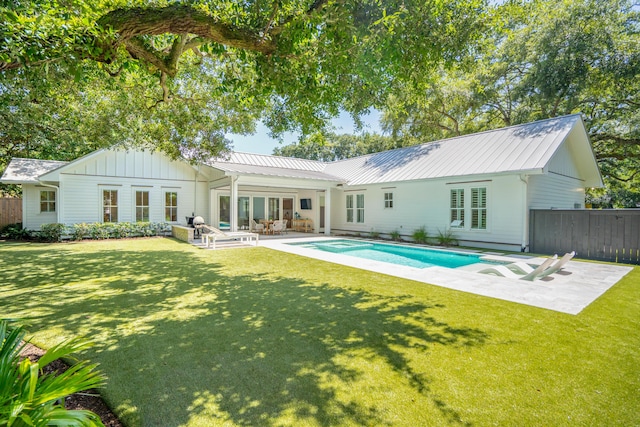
pixel 260 143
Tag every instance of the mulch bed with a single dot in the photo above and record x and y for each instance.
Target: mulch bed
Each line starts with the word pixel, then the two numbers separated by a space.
pixel 89 400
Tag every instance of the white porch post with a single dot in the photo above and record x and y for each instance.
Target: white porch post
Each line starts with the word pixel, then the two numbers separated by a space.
pixel 233 209
pixel 327 211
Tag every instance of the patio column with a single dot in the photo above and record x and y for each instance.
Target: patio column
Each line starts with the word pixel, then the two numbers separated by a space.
pixel 327 211
pixel 233 208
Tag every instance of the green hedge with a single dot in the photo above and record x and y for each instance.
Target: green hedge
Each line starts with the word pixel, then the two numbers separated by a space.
pixel 98 230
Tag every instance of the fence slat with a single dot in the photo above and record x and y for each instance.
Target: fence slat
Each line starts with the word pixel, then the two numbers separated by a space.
pixel 10 211
pixel 607 235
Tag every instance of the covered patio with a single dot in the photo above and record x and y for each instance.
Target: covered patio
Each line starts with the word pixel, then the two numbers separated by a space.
pixel 242 196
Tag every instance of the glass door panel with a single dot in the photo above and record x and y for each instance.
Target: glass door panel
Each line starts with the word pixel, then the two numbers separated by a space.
pixel 224 218
pixel 258 209
pixel 274 208
pixel 243 213
pixel 287 210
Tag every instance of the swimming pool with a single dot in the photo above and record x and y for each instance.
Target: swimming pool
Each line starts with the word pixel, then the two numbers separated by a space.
pixel 395 254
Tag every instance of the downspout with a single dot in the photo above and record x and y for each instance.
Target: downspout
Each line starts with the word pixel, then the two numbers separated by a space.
pixel 524 247
pixel 58 201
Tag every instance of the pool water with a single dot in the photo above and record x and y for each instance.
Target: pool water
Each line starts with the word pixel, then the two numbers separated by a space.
pixel 395 254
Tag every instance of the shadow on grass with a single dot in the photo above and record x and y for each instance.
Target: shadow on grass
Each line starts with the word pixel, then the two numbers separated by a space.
pixel 184 339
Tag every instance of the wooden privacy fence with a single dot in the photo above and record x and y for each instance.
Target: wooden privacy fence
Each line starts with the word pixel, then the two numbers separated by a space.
pixel 607 235
pixel 10 211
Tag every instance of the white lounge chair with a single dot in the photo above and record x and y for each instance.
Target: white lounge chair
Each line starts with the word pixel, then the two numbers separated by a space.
pixel 523 268
pixel 212 235
pixel 558 265
pixel 504 271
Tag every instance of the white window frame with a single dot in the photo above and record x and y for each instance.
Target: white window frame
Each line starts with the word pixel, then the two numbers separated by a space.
pixel 110 206
pixel 50 204
pixel 349 207
pixel 388 200
pixel 169 208
pixel 142 206
pixel 472 211
pixel 360 208
pixel 478 207
pixel 457 209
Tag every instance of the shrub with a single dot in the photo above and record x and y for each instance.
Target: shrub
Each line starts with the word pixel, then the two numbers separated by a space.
pixel 27 397
pixel 15 232
pixel 420 235
pixel 447 238
pixel 80 231
pixel 395 235
pixel 52 232
pixel 374 234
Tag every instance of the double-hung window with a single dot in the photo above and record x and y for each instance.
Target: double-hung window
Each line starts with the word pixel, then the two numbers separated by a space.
pixel 171 206
pixel 388 200
pixel 457 207
pixel 110 205
pixel 479 208
pixel 360 208
pixel 142 206
pixel 47 201
pixel 349 207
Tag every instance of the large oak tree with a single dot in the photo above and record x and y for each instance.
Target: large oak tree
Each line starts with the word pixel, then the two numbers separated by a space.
pixel 76 75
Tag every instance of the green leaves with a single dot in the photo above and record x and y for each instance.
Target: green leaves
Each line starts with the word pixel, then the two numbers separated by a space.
pixel 30 398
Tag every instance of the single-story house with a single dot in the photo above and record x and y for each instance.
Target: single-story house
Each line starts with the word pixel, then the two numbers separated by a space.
pixel 480 186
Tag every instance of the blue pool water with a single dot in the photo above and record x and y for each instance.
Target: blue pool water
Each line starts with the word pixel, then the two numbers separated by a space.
pixel 395 254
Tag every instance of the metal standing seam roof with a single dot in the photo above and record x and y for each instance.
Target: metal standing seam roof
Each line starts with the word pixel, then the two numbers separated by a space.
pixel 27 171
pixel 273 161
pixel 284 167
pixel 244 169
pixel 527 147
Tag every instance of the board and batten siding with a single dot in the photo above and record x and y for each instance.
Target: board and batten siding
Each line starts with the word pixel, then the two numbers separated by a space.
pixel 128 172
pixel 32 217
pixel 427 203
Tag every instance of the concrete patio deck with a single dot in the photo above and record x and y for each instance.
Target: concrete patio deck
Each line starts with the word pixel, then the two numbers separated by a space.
pixel 568 291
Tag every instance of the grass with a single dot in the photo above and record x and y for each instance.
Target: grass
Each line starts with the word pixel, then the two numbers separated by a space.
pixel 256 337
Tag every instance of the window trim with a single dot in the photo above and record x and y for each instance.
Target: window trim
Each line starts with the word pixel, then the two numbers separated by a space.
pixel 478 209
pixel 48 202
pixel 136 206
pixel 110 206
pixel 171 207
pixel 360 208
pixel 388 200
pixel 468 208
pixel 457 220
pixel 349 208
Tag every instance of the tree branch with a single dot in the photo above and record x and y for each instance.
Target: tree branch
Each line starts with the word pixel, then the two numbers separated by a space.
pixel 178 19
pixel 600 137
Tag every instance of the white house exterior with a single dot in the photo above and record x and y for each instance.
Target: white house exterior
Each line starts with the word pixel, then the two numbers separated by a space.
pixel 480 186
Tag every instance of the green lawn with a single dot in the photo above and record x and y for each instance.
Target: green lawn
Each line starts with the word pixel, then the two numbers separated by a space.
pixel 246 337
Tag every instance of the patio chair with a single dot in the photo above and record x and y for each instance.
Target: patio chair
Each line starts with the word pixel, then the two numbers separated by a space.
pixel 504 271
pixel 257 227
pixel 279 226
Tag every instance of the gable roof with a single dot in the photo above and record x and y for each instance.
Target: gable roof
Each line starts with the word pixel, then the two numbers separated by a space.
pixel 524 148
pixel 27 171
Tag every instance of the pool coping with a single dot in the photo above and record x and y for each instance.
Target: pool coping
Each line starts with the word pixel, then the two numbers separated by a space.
pixel 568 291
